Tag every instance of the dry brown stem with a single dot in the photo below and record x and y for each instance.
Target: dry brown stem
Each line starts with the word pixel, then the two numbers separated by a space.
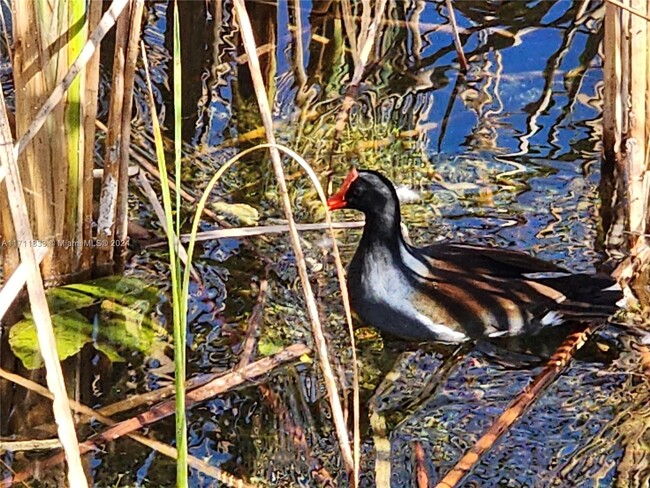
pixel 165 449
pixel 167 408
pixel 421 476
pixel 516 409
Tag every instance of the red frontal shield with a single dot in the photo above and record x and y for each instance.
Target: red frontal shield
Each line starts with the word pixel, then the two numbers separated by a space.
pixel 338 199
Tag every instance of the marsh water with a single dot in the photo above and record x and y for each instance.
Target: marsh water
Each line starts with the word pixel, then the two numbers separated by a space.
pixel 507 154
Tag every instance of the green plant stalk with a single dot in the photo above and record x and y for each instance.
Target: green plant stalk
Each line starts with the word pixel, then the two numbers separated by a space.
pixel 178 306
pixel 73 117
pixel 180 327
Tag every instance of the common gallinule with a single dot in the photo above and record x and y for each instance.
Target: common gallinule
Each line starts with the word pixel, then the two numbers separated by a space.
pixel 454 292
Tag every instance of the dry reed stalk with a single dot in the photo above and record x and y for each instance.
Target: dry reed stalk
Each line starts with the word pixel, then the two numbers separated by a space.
pixel 421 476
pixel 39 306
pixel 459 46
pixel 108 197
pixel 298 56
pixel 382 450
pixel 635 146
pixel 519 405
pixel 629 9
pixel 90 115
pixel 165 449
pixel 16 281
pixel 30 445
pixel 319 339
pixel 350 27
pixel 267 229
pixel 612 106
pixel 122 210
pixel 167 408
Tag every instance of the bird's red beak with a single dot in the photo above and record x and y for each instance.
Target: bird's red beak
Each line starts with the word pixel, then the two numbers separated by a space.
pixel 338 199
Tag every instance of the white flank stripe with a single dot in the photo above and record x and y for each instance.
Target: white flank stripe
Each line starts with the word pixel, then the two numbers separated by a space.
pixel 552 318
pixel 545 275
pixel 413 263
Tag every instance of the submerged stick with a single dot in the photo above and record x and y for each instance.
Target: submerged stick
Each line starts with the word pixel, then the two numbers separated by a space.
pixel 248 353
pixel 519 405
pixel 167 408
pixel 165 449
pixel 297 435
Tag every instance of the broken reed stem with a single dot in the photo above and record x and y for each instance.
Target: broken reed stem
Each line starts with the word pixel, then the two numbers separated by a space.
pixel 519 405
pixel 165 409
pixel 319 339
pixel 165 449
pixel 38 304
pixel 108 195
pixel 421 476
pixel 459 47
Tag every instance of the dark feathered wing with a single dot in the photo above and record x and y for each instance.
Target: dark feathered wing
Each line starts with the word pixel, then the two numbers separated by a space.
pixel 512 283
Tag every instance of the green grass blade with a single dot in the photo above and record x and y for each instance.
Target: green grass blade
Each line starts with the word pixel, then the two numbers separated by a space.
pixel 180 328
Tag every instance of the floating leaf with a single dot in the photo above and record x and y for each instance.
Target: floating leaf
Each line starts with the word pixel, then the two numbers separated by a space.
pixel 246 214
pixel 267 347
pixel 63 299
pixel 124 290
pixel 71 331
pixel 124 321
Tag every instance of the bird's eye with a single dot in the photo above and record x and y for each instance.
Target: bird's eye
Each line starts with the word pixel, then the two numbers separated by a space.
pixel 353 192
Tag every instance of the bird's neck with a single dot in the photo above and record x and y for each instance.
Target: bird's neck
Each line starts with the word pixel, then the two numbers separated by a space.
pixel 382 229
